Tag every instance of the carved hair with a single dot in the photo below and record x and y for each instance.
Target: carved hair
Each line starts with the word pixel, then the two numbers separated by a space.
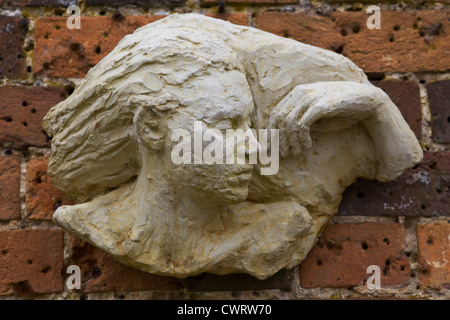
pixel 136 75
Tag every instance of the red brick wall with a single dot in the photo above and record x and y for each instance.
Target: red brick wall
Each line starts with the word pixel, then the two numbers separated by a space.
pixel 402 226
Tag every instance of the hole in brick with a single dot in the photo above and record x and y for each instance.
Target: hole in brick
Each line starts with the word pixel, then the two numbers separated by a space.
pixel 391 38
pixel 105 34
pixel 421 33
pixel 1 58
pixel 38 177
pixel 339 49
pixel 29 69
pixel 8 151
pixel 7 119
pixel 423 207
pixel 422 81
pixel 402 268
pixel 319 262
pixel 96 272
pixel 46 36
pixel 364 245
pixel 386 240
pixel 33 110
pixel 30 261
pixel 75 47
pixel 46 269
pixel 118 17
pixel 286 33
pixel 396 28
pixel 69 89
pixel 98 50
pixel 343 32
pixel 46 65
pixel 102 12
pixel 25 124
pixel 57 204
pixel 356 28
pixel 57 27
pixel 24 103
pixel 448 119
pixel 4 252
pixel 360 195
pixel 412 275
pixel 430 242
pixel 19 56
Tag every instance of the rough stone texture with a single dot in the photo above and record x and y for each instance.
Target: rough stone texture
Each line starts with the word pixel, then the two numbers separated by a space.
pixel 434 255
pixel 31 262
pixel 12 36
pixel 412 41
pixel 344 251
pixel 150 3
pixel 36 3
pixel 236 282
pixel 101 273
pixel 21 111
pixel 9 188
pixel 42 198
pixel 113 143
pixel 439 99
pixel 61 52
pixel 406 96
pixel 422 191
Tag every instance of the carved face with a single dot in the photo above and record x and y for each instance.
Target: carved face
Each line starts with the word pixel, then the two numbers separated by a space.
pixel 222 100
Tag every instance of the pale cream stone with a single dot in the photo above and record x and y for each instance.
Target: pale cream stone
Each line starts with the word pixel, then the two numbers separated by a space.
pixel 112 142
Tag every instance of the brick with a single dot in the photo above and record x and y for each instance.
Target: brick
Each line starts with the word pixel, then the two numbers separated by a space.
pixel 238 282
pixel 344 251
pixel 60 52
pixel 37 3
pixel 439 99
pixel 434 255
pixel 100 272
pixel 421 191
pixel 406 96
pixel 9 188
pixel 413 41
pixel 42 198
pixel 31 262
pixel 150 3
pixel 13 31
pixel 21 111
pixel 236 18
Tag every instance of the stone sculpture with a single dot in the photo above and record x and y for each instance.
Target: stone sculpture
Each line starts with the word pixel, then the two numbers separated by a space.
pixel 111 147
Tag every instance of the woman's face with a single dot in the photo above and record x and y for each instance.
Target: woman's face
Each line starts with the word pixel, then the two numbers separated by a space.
pixel 221 101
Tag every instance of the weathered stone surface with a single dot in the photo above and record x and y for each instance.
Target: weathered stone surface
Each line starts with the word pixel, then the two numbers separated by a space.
pixel 21 111
pixel 434 255
pixel 115 145
pixel 439 99
pixel 422 191
pixel 411 41
pixel 42 198
pixel 31 262
pixel 61 52
pixel 236 282
pixel 344 251
pixel 101 273
pixel 12 36
pixel 406 96
pixel 9 188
